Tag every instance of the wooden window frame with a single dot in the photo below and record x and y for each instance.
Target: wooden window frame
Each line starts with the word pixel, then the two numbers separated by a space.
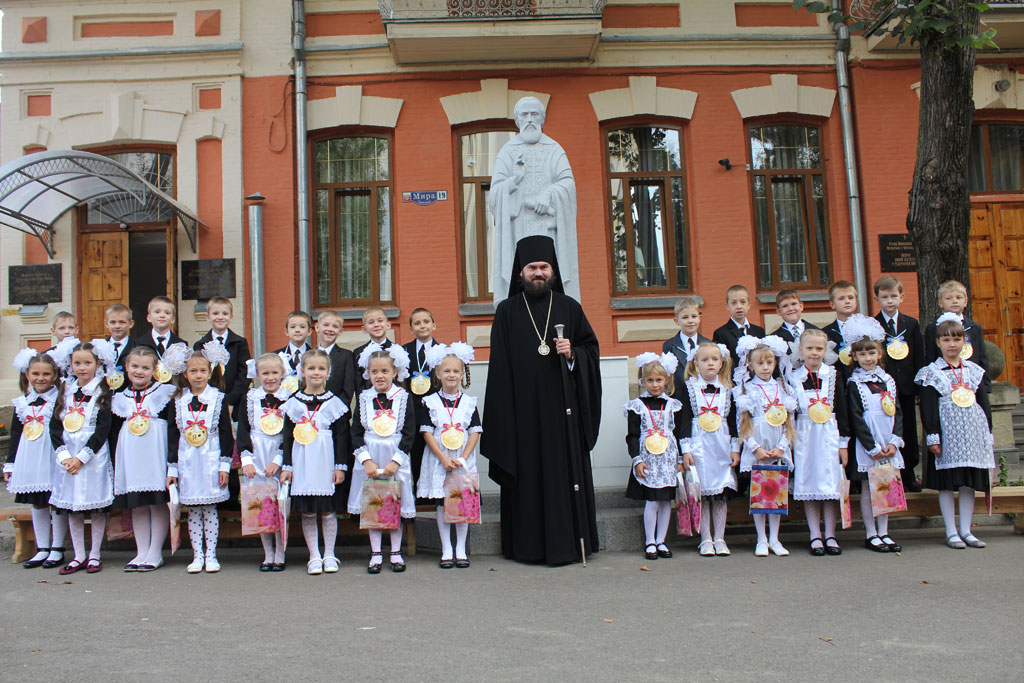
pixel 987 147
pixel 670 265
pixel 807 208
pixel 336 189
pixel 478 182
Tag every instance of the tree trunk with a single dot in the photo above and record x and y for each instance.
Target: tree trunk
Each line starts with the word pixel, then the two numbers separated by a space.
pixel 939 218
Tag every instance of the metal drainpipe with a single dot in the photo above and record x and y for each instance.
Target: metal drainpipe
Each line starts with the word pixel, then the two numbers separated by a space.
pixel 301 161
pixel 256 263
pixel 850 158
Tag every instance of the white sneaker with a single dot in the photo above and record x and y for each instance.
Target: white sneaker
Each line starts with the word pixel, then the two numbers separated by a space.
pixel 761 550
pixel 314 567
pixel 331 565
pixel 706 549
pixel 212 565
pixel 778 549
pixel 195 566
pixel 721 548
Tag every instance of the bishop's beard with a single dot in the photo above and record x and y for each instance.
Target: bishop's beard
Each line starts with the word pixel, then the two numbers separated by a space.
pixel 537 287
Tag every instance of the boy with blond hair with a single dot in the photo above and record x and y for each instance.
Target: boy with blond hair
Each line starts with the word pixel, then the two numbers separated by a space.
pixel 953 299
pixel 376 326
pixel 791 310
pixel 119 322
pixel 160 314
pixel 342 380
pixel 687 316
pixel 219 313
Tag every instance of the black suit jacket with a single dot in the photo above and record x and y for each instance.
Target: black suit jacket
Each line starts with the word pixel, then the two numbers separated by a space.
pixel 284 350
pixel 974 336
pixel 674 345
pixel 904 371
pixel 147 340
pixel 127 344
pixel 783 330
pixel 342 382
pixel 236 380
pixel 729 334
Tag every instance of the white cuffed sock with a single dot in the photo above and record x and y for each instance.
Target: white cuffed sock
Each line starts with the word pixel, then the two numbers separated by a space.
pixel 329 522
pixel 966 501
pixel 311 534
pixel 60 534
pixel 444 531
pixel 650 521
pixel 947 505
pixel 76 524
pixel 99 526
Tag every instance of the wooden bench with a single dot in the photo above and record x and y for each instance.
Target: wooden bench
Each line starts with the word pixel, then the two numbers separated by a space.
pixel 230 527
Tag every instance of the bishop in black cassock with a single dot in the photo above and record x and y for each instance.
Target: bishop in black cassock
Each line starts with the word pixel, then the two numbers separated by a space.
pixel 526 433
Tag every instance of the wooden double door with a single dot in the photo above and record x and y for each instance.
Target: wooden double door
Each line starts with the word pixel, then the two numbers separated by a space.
pixel 997 280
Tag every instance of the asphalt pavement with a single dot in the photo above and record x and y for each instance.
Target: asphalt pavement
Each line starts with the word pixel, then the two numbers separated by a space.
pixel 929 614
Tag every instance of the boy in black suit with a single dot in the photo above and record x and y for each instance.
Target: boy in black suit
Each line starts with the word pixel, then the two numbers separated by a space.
pixel 904 356
pixel 687 316
pixel 119 322
pixel 953 299
pixel 160 313
pixel 737 301
pixel 791 309
pixel 298 325
pixel 342 380
pixel 376 325
pixel 842 297
pixel 421 322
pixel 219 313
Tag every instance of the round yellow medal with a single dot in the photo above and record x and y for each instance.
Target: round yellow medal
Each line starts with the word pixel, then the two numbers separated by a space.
pixel 420 384
pixel 271 424
pixel 290 384
pixel 162 374
pixel 967 351
pixel 844 355
pixel 888 405
pixel 709 421
pixel 656 443
pixel 196 436
pixel 963 397
pixel 115 380
pixel 453 439
pixel 897 349
pixel 776 415
pixel 73 421
pixel 138 425
pixel 384 425
pixel 820 412
pixel 305 433
pixel 33 430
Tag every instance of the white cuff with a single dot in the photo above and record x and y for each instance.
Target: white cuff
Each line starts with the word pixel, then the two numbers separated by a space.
pixel 637 459
pixel 685 446
pixel 400 457
pixel 62 454
pixel 751 444
pixel 278 459
pixel 896 441
pixel 735 445
pixel 571 365
pixel 342 468
pixel 8 467
pixel 426 428
pixel 224 465
pixel 172 470
pixel 362 455
pixel 784 443
pixel 85 455
pixel 287 468
pixel 246 458
pixel 875 451
pixel 844 442
pixel 933 440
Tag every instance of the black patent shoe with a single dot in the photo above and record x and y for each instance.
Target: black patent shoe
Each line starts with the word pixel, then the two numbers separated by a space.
pixel 894 547
pixel 267 567
pixel 397 567
pixel 278 567
pixel 832 549
pixel 651 552
pixel 664 553
pixel 879 548
pixel 462 562
pixel 50 564
pixel 32 564
pixel 446 563
pixel 817 550
pixel 374 568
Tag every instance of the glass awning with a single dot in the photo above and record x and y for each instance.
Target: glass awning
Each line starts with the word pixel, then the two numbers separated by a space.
pixel 37 189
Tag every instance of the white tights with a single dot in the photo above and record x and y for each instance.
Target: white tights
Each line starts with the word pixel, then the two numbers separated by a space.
pixel 966 511
pixel 203 518
pixel 712 510
pixel 42 522
pixel 444 530
pixel 377 535
pixel 273 552
pixel 329 522
pixel 873 526
pixel 657 515
pixel 76 523
pixel 151 524
pixel 773 528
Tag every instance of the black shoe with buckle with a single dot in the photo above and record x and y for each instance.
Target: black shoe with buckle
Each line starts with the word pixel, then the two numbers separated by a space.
pixel 880 547
pixel 833 549
pixel 651 552
pixel 50 564
pixel 374 568
pixel 894 547
pixel 397 567
pixel 32 564
pixel 817 547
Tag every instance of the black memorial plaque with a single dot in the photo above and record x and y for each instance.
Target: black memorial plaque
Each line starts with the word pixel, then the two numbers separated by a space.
pixel 33 285
pixel 205 278
pixel 896 253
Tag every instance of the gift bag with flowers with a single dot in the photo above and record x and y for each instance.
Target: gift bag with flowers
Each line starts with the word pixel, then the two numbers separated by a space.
pixel 845 511
pixel 174 517
pixel 688 501
pixel 769 490
pixel 462 497
pixel 260 513
pixel 119 525
pixel 381 504
pixel 886 488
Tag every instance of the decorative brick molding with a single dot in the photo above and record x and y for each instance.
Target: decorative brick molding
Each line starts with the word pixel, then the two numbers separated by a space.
pixel 784 95
pixel 33 29
pixel 643 96
pixel 349 107
pixel 207 22
pixel 492 101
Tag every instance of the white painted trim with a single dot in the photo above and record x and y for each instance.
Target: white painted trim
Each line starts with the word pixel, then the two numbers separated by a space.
pixel 784 95
pixel 492 101
pixel 643 96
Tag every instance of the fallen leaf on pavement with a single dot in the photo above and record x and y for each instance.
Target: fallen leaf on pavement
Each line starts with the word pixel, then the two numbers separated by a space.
pixel 753 582
pixel 42 581
pixel 65 583
pixel 924 582
pixel 607 621
pixel 492 569
pixel 645 569
pixel 828 640
pixel 35 650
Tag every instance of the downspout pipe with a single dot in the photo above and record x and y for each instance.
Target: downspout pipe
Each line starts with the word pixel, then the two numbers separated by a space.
pixel 256 282
pixel 301 160
pixel 850 160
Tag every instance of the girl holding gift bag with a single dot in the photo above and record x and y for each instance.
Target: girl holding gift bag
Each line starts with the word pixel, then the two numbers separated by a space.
pixel 201 458
pixel 653 432
pixel 31 467
pixel 315 458
pixel 709 436
pixel 876 421
pixel 451 429
pixel 79 431
pixel 260 438
pixel 764 412
pixel 382 434
pixel 958 422
pixel 145 428
pixel 822 436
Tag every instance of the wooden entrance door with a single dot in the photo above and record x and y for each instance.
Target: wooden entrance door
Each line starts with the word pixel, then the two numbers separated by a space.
pixel 104 278
pixel 997 281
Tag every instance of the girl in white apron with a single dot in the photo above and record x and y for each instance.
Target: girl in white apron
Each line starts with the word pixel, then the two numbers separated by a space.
pixel 957 420
pixel 260 436
pixel 822 435
pixel 709 436
pixel 764 409
pixel 200 457
pixel 142 413
pixel 31 466
pixel 383 431
pixel 876 421
pixel 653 431
pixel 451 429
pixel 315 456
pixel 79 431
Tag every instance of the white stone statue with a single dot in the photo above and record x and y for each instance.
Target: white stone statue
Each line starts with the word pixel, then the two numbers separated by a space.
pixel 533 193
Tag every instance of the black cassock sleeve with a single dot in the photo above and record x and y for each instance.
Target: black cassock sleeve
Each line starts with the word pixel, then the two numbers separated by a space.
pixel 288 442
pixel 684 418
pixel 104 420
pixel 56 427
pixel 859 429
pixel 224 433
pixel 930 410
pixel 244 438
pixel 170 413
pixel 841 412
pixel 632 434
pixel 340 434
pixel 357 438
pixel 17 428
